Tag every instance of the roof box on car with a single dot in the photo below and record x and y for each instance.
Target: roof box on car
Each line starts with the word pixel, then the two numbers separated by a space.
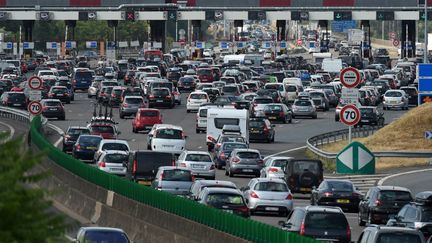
pixel 424 198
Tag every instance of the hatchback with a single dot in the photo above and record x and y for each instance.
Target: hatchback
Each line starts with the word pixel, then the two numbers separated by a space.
pixel 14 99
pixel 230 89
pixel 260 129
pixel 341 193
pixel 111 144
pixel 278 112
pixel 86 146
pixel 226 199
pixel 61 93
pixel 304 108
pixel 174 180
pixel 273 167
pixel 71 135
pixel 395 99
pixel 224 153
pixel 259 103
pixel 101 234
pixel 53 108
pixel 116 96
pixel 244 161
pixel 196 99
pixel 145 118
pixel 412 93
pixel 199 185
pixel 113 162
pixel 380 234
pixel 161 97
pixel 269 195
pixel 168 138
pixel 130 105
pixel 199 162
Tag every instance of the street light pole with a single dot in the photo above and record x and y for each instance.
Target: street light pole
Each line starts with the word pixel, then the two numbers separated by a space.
pixel 425 57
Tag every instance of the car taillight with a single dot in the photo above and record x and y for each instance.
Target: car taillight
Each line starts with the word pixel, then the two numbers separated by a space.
pixel 289 197
pixel 102 164
pixel 142 106
pixel 244 209
pixel 168 97
pixel 222 156
pixel 74 81
pixel 50 94
pixel 378 203
pixel 77 147
pixel 302 228
pixel 236 160
pixel 173 162
pixel 281 114
pixel 134 168
pixel 67 94
pixel 266 130
pixel 211 138
pixel 217 146
pixel 273 169
pixel 348 232
pixel 151 96
pixel 182 165
pixel 260 161
pixel 67 137
pixel 125 105
pixel 328 194
pixel 254 195
pixel 44 108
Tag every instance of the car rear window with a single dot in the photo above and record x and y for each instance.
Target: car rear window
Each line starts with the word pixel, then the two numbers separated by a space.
pixel 426 215
pixel 160 92
pixel 103 129
pixel 220 122
pixel 17 96
pixel 52 103
pixel 149 113
pixel 273 108
pixel 83 75
pixel 325 221
pixel 302 103
pixel 393 195
pixel 300 166
pixel 59 90
pixel 340 186
pixel 169 134
pixel 291 88
pixel 280 162
pixel 177 175
pixel 116 158
pixel 396 237
pixel 218 199
pixel 134 100
pixel 393 94
pixel 316 95
pixel 263 101
pixel 232 146
pixel 105 236
pixel 90 140
pixel 203 113
pixel 74 131
pixel 198 96
pixel 115 146
pixel 232 139
pixel 198 158
pixel 229 89
pixel 410 91
pixel 248 155
pixel 256 124
pixel 117 91
pixel 204 72
pixel 271 186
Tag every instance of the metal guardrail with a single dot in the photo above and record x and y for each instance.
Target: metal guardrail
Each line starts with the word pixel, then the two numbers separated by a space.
pixel 25 116
pixel 331 137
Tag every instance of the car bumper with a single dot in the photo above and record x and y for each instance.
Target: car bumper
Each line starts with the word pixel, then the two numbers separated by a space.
pixel 193 107
pixel 245 170
pixel 394 105
pixel 253 136
pixel 353 204
pixel 204 174
pixel 48 114
pixel 270 205
pixel 164 103
pixel 304 113
pixel 84 155
pixel 68 146
pixel 115 171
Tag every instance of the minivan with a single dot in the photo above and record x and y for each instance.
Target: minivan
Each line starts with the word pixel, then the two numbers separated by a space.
pixel 142 166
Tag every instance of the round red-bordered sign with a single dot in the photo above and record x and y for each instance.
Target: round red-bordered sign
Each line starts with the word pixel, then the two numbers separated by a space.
pixel 349 115
pixel 350 77
pixel 35 82
pixel 396 42
pixel 35 108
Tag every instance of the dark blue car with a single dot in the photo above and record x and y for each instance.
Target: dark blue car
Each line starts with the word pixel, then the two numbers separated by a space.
pixel 82 79
pixel 224 152
pixel 86 146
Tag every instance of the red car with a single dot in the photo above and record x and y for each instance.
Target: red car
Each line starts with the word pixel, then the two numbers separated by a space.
pixel 145 119
pixel 107 131
pixel 205 75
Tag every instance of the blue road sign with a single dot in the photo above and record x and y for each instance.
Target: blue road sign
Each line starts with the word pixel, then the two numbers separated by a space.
pixel 343 25
pixel 266 44
pixel 312 44
pixel 428 134
pixel 26 45
pixel 111 44
pixel 93 44
pixel 425 77
pixel 68 44
pixel 425 70
pixel 425 84
pixel 9 45
pixel 240 44
pixel 224 45
pixel 54 45
pixel 199 45
pixel 283 45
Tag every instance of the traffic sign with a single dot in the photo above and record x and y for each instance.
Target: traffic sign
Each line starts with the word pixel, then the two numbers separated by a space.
pixel 428 134
pixel 342 15
pixel 350 77
pixel 266 44
pixel 200 45
pixel 35 94
pixel 35 82
pixel 350 96
pixel 349 115
pixel 392 35
pixel 355 159
pixel 9 45
pixel 396 42
pixel 35 108
pixel 223 45
pixel 424 98
pixel 283 45
pixel 385 15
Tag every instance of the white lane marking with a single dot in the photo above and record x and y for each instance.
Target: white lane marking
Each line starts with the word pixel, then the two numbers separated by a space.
pixel 57 143
pixel 199 147
pixel 381 182
pixel 286 151
pixel 12 131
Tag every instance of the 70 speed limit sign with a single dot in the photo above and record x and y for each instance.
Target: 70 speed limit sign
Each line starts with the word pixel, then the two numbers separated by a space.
pixel 35 108
pixel 349 115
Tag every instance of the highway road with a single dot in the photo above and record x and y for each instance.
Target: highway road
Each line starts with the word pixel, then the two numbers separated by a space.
pixel 417 182
pixel 288 136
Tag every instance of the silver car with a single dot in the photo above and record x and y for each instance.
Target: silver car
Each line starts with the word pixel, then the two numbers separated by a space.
pixel 244 161
pixel 130 105
pixel 268 195
pixel 201 163
pixel 93 89
pixel 273 167
pixel 113 162
pixel 304 107
pixel 173 179
pixel 395 99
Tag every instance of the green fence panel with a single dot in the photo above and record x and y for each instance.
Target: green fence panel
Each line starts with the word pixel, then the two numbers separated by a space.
pixel 244 228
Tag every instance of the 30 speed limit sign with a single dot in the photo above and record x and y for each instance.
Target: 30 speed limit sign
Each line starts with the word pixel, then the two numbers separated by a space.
pixel 349 115
pixel 35 108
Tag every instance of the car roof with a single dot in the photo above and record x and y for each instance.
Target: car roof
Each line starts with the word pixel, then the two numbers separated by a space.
pixel 338 180
pixel 114 141
pixel 102 229
pixel 216 182
pixel 196 152
pixel 133 97
pixel 327 209
pixel 395 188
pixel 383 228
pixel 247 150
pixel 78 127
pixel 173 168
pixel 270 179
pixel 164 126
pixel 222 190
pixel 46 100
pixel 115 152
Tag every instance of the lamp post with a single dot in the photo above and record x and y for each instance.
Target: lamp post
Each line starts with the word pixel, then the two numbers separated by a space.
pixel 425 57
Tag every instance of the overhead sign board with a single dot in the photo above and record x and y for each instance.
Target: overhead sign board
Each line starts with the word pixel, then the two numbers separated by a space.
pixel 52 45
pixel 355 159
pixel 223 45
pixel 283 45
pixel 70 44
pixel 91 44
pixel 8 45
pixel 200 45
pixel 385 15
pixel 241 45
pixel 28 45
pixel 343 25
pixel 424 98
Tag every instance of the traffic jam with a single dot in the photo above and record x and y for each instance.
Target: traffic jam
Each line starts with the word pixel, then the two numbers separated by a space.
pixel 236 100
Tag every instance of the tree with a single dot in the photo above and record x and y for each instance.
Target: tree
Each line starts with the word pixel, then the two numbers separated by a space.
pixel 24 209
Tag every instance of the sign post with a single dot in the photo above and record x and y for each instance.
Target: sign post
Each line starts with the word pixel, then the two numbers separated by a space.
pixel 350 114
pixel 35 95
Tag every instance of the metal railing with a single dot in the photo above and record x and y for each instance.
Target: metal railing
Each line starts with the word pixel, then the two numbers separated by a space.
pixel 331 137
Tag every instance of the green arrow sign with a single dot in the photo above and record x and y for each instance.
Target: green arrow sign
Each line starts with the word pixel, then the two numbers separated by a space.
pixel 355 159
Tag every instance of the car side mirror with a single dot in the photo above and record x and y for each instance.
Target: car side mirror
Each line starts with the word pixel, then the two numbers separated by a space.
pixel 244 188
pixel 273 126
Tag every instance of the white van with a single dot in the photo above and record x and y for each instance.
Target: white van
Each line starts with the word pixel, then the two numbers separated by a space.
pixel 168 138
pixel 218 117
pixel 296 81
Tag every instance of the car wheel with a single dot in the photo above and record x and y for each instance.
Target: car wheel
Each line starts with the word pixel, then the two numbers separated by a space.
pixel 226 172
pixel 134 130
pixel 68 102
pixel 89 96
pixel 73 98
pixel 290 120
pixel 230 174
pixel 284 120
pixel 121 116
pixel 197 131
pixel 315 117
pixel 369 220
pixel 312 200
pixel 148 147
pixel 62 118
pixel 273 138
pixel 360 221
pixel 384 108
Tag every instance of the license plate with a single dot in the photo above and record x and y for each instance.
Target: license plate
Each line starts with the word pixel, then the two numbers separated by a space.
pixel 365 120
pixel 59 94
pixel 247 170
pixel 116 169
pixel 272 117
pixel 342 201
pixel 198 166
pixel 146 183
pixel 159 101
pixel 92 148
pixel 186 87
pixel 53 109
pixel 272 209
pixel 227 211
pixel 16 104
pixel 303 189
pixel 168 146
pixel 254 131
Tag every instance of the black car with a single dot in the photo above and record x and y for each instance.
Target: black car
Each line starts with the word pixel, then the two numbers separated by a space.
pixel 340 193
pixel 382 203
pixel 278 112
pixel 236 101
pixel 302 175
pixel 319 222
pixel 273 93
pixel 380 234
pixel 161 97
pixel 371 115
pixel 86 146
pixel 71 136
pixel 412 93
pixel 186 83
pixel 226 199
pixel 105 94
pixel 53 108
pixel 416 215
pixel 115 98
pixel 14 99
pixel 261 129
pixel 61 93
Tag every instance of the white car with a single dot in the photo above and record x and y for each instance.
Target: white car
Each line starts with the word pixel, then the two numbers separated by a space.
pixel 168 138
pixel 109 145
pixel 93 89
pixel 395 98
pixel 273 167
pixel 201 119
pixel 196 99
pixel 113 162
pixel 201 163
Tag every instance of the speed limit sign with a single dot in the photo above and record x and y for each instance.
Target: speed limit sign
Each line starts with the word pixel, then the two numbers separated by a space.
pixel 349 115
pixel 35 108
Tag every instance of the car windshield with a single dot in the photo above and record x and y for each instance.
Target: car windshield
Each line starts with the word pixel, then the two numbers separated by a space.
pixel 271 186
pixel 393 94
pixel 149 113
pixel 74 131
pixel 280 162
pixel 232 139
pixel 273 108
pixel 115 146
pixel 300 166
pixel 83 75
pixel 105 237
pixel 198 96
pixel 232 146
pixel 177 175
pixel 168 133
pixel 316 95
pixel 117 91
pixel 326 221
pixel 229 89
pixel 340 186
pixel 134 100
pixel 198 158
pixel 302 103
pixel 256 124
pixel 274 86
pixel 248 155
pixel 103 129
pixel 398 237
pixel 391 196
pixel 218 199
pixel 116 158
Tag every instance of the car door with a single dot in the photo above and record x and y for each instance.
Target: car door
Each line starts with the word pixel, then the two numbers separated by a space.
pixel 364 204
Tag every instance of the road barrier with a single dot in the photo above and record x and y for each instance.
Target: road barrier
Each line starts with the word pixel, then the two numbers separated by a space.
pixel 244 228
pixel 331 137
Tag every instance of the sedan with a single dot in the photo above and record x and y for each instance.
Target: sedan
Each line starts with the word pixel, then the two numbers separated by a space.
pixel 278 112
pixel 268 195
pixel 395 99
pixel 340 193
